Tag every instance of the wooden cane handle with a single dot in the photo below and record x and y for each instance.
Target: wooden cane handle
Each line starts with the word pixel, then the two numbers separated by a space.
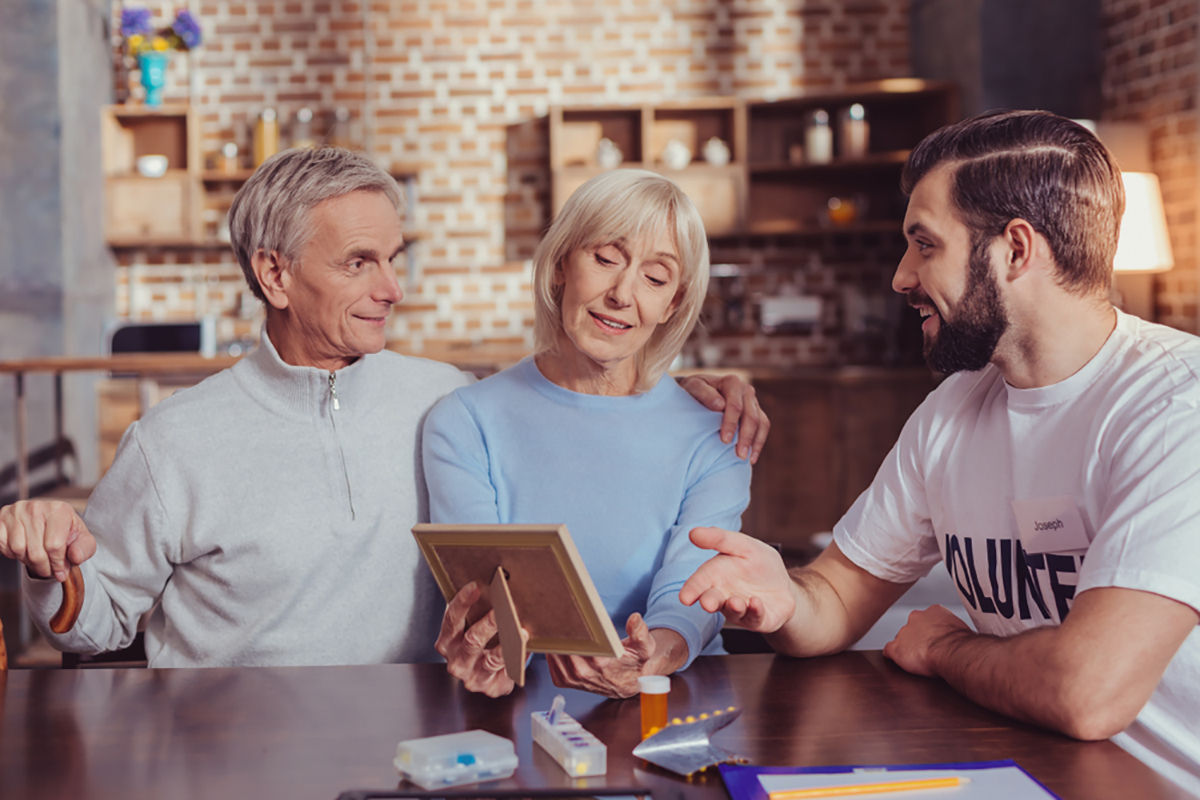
pixel 72 602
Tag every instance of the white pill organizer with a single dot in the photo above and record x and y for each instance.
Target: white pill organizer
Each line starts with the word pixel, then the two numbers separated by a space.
pixel 575 749
pixel 436 762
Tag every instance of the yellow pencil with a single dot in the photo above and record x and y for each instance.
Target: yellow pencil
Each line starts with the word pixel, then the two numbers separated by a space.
pixel 868 788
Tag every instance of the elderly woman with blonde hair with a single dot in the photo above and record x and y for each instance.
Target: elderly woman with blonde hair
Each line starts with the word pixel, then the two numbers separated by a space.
pixel 587 432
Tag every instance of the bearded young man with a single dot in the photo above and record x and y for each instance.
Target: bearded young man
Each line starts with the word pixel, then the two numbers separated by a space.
pixel 1055 473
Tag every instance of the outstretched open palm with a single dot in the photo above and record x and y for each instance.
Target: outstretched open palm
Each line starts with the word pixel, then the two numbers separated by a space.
pixel 746 581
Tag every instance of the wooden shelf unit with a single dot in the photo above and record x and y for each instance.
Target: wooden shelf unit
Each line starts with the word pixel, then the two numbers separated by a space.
pixel 793 228
pixel 760 192
pixel 170 212
pixel 795 196
pixel 869 162
pixel 168 244
pixel 641 133
pixel 218 176
pixel 153 210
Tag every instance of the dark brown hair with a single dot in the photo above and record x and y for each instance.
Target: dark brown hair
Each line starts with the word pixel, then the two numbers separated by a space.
pixel 1036 166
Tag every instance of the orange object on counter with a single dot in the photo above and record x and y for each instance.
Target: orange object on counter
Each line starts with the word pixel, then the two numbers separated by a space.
pixel 266 136
pixel 654 689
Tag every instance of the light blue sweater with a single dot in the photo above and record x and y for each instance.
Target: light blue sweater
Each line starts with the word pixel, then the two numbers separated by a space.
pixel 629 476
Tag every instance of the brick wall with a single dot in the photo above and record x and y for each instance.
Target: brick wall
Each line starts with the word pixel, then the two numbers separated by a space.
pixel 456 92
pixel 1150 75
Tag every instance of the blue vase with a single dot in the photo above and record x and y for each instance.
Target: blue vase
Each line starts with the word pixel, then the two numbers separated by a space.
pixel 154 75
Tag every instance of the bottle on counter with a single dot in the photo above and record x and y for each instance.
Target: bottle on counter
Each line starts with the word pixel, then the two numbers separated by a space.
pixel 339 132
pixel 854 132
pixel 266 136
pixel 230 164
pixel 302 129
pixel 818 139
pixel 654 690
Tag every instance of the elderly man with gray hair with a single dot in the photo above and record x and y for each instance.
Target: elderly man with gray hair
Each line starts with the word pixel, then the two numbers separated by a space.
pixel 262 517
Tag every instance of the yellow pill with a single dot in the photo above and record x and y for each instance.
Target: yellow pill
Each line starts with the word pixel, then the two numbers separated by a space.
pixel 677 721
pixel 690 719
pixel 704 716
pixel 730 708
pixel 718 713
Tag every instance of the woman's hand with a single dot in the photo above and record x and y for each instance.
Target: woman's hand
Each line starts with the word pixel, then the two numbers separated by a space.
pixel 647 652
pixel 468 658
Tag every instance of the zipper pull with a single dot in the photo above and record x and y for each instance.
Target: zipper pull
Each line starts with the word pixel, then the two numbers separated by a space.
pixel 333 391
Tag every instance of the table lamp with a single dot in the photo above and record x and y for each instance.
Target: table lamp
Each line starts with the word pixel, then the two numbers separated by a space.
pixel 1144 246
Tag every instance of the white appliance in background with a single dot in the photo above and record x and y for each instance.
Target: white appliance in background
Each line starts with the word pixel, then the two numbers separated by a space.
pixel 199 336
pixel 789 310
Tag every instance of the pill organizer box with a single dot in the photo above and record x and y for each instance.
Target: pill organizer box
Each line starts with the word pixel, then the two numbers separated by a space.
pixel 455 759
pixel 575 749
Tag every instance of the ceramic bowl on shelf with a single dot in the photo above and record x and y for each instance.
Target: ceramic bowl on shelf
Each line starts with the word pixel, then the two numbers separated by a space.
pixel 608 154
pixel 716 152
pixel 152 166
pixel 676 155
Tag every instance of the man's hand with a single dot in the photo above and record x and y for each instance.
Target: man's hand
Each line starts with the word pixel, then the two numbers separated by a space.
pixel 468 658
pixel 746 582
pixel 912 646
pixel 1088 677
pixel 736 398
pixel 47 536
pixel 646 653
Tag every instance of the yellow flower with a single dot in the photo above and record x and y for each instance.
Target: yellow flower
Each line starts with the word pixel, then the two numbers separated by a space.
pixel 161 44
pixel 135 42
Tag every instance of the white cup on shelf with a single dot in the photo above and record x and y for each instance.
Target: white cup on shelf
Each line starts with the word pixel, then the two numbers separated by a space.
pixel 152 166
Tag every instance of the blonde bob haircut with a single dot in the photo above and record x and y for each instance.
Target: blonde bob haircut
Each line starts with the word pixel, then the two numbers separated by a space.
pixel 620 206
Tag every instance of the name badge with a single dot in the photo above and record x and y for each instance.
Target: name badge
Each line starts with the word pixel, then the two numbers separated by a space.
pixel 1050 524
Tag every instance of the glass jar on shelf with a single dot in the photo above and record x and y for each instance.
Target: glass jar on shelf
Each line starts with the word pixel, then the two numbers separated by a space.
pixel 339 131
pixel 854 132
pixel 229 162
pixel 818 138
pixel 302 129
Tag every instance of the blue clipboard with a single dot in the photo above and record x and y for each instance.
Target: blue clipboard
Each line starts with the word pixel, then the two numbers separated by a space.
pixel 743 782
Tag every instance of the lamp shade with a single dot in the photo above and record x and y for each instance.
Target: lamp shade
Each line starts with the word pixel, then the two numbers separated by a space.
pixel 1144 245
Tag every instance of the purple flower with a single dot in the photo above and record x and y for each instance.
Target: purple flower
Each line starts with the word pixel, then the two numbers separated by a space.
pixel 186 28
pixel 135 20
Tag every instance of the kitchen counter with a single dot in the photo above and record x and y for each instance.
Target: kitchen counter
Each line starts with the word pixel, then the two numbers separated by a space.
pixel 482 359
pixel 830 431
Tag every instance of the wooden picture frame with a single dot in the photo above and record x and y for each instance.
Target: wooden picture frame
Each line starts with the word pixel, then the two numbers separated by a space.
pixel 533 576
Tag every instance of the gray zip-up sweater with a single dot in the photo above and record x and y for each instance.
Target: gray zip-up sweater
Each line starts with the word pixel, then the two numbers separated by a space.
pixel 270 527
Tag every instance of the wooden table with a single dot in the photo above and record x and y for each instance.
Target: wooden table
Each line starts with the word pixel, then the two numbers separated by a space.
pixel 312 732
pixel 139 364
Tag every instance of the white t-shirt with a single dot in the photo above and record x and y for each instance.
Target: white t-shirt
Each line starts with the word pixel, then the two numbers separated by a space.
pixel 1110 455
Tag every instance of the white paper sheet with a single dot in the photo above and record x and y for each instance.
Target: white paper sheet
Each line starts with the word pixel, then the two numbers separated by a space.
pixel 990 783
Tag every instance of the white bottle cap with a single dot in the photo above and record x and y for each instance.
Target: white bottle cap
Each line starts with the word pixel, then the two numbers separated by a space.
pixel 654 684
